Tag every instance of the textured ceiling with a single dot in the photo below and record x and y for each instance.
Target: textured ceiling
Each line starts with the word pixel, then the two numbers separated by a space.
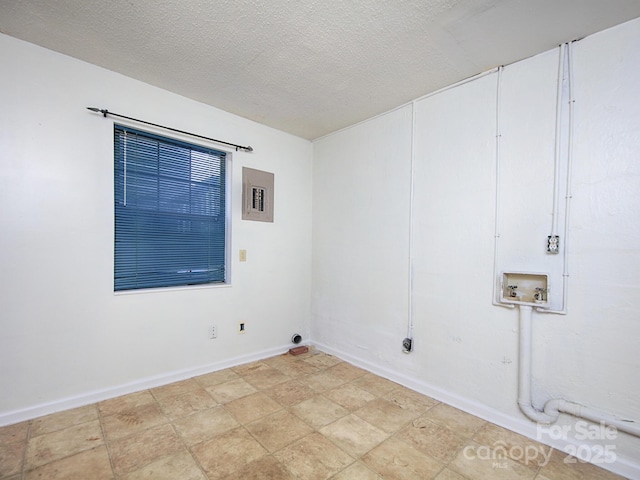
pixel 308 67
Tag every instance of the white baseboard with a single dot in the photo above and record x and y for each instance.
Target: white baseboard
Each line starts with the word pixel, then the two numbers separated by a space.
pixel 627 467
pixel 87 398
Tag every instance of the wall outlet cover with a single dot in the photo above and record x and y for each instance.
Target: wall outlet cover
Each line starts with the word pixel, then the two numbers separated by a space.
pixel 553 244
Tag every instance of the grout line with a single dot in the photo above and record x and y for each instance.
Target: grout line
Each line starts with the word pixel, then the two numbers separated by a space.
pixel 106 443
pixel 188 450
pixel 23 467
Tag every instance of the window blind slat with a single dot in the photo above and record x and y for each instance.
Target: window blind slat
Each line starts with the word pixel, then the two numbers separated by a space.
pixel 169 212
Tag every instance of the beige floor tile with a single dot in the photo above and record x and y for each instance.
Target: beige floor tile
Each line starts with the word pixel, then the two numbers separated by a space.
pixel 142 448
pixel 133 420
pixel 56 445
pixel 93 464
pixel 565 467
pixel 394 459
pixel 216 378
pixel 252 368
pixel 322 360
pixel 11 458
pixel 476 462
pixel 297 368
pixel 176 388
pixel 265 377
pixel 252 407
pixel 187 404
pixel 319 411
pixel 205 425
pixel 517 447
pixel 321 382
pixel 375 385
pixel 125 402
pixel 354 435
pixel 179 466
pixel 282 359
pixel 460 422
pixel 61 420
pixel 231 390
pixel 447 474
pixel 385 415
pixel 345 371
pixel 320 417
pixel 249 368
pixel 265 468
pixel 349 396
pixel 290 393
pixel 228 453
pixel 357 471
pixel 313 458
pixel 278 430
pixel 435 440
pixel 410 400
pixel 14 433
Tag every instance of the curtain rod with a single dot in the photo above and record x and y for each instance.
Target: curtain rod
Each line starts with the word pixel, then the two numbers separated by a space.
pixel 106 112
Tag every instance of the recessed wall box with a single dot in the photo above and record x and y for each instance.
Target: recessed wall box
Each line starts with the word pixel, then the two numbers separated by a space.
pixel 257 195
pixel 522 288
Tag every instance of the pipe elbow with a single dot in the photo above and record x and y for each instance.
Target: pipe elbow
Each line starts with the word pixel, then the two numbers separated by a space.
pixel 536 415
pixel 553 407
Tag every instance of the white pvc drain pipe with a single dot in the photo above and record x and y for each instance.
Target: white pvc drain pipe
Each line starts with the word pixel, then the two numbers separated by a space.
pixel 555 406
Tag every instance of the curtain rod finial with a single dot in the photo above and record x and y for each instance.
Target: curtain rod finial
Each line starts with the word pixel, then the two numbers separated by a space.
pixel 98 110
pixel 249 148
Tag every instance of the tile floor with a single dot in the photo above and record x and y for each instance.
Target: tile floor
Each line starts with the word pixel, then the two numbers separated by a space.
pixel 308 417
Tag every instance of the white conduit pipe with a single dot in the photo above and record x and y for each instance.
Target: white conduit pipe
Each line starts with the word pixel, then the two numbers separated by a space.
pixel 556 154
pixel 410 279
pixel 555 406
pixel 568 194
pixel 552 409
pixel 411 201
pixel 496 212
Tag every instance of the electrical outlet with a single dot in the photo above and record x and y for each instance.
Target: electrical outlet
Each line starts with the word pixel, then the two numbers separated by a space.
pixel 213 331
pixel 242 327
pixel 553 244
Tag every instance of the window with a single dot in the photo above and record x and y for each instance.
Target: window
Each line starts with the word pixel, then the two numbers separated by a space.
pixel 170 213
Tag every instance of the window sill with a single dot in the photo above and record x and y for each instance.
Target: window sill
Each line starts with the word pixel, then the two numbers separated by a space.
pixel 207 286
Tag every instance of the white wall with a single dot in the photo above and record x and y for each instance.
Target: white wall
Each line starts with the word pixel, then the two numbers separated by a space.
pixel 65 337
pixel 465 348
pixel 361 204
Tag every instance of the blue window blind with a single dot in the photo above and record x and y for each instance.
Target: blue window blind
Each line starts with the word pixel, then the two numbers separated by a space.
pixel 169 212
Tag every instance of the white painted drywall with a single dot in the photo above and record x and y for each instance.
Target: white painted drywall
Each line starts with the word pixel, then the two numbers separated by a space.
pixel 361 213
pixel 65 337
pixel 465 348
pixel 65 334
